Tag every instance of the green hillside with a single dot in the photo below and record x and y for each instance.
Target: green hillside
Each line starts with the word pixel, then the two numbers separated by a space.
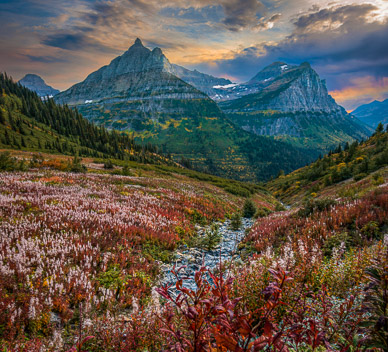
pixel 214 145
pixel 28 123
pixel 347 171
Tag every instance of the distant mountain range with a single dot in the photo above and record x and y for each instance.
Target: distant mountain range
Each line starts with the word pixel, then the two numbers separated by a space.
pixel 373 113
pixel 171 106
pixel 38 85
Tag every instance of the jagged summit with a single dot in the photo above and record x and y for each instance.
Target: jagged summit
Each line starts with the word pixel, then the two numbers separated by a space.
pixel 38 85
pixel 138 42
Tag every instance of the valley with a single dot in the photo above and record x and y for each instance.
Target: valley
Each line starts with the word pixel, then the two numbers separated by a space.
pixel 156 208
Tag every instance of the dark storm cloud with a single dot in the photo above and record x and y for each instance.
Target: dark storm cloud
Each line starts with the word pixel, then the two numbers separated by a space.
pixel 75 42
pixel 67 41
pixel 240 14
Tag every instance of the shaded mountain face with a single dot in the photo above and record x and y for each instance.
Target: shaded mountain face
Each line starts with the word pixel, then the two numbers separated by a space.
pixel 140 92
pixel 373 113
pixel 292 102
pixel 38 85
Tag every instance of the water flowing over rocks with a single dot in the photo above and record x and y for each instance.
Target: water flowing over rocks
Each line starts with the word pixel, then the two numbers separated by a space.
pixel 193 259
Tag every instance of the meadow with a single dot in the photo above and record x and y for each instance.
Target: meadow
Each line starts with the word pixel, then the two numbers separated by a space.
pixel 81 256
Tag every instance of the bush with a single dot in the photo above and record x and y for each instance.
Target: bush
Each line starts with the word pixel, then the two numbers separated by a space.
pixel 7 163
pixel 76 165
pixel 212 238
pixel 126 171
pixel 360 176
pixel 316 205
pixel 371 230
pixel 249 209
pixel 262 212
pixel 108 164
pixel 279 207
pixel 235 223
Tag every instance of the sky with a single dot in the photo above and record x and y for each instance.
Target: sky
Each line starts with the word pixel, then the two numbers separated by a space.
pixel 346 42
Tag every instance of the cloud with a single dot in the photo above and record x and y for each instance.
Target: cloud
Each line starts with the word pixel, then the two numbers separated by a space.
pixel 240 14
pixel 337 18
pixel 268 23
pixel 341 42
pixel 65 41
pixel 361 90
pixel 45 59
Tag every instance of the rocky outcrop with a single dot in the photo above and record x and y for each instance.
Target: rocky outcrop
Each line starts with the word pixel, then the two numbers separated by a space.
pixel 38 85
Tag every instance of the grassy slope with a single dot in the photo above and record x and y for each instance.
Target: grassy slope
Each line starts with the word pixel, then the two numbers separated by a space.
pixel 356 170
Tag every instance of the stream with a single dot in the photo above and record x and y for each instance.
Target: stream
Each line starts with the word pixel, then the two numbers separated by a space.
pixel 194 258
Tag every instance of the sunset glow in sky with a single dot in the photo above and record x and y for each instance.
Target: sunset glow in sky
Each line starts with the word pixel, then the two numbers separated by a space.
pixel 64 41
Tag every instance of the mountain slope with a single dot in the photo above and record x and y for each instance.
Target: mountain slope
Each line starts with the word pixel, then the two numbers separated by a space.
pixel 373 113
pixel 28 123
pixel 38 85
pixel 292 103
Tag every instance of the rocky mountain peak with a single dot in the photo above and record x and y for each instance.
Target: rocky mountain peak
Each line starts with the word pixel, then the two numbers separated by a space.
pixel 38 85
pixel 138 42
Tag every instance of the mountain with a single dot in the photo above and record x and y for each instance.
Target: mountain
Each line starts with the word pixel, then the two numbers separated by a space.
pixel 292 103
pixel 373 113
pixel 287 89
pixel 38 85
pixel 134 87
pixel 138 93
pixel 261 80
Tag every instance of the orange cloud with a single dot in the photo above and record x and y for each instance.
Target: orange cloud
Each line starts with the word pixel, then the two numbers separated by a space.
pixel 361 90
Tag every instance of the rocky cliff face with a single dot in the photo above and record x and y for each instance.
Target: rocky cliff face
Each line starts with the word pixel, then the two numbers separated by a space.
pixel 38 85
pixel 269 73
